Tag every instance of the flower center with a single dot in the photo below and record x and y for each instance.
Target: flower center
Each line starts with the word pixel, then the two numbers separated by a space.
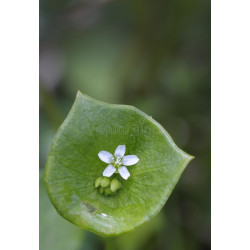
pixel 118 161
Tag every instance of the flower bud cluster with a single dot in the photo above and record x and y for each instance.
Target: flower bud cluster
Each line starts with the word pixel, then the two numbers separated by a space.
pixel 107 186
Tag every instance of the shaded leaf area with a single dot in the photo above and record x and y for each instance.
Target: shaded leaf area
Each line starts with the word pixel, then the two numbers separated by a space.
pixel 140 238
pixel 54 231
pixel 73 166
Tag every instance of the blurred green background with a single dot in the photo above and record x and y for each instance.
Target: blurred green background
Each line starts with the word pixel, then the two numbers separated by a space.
pixel 154 55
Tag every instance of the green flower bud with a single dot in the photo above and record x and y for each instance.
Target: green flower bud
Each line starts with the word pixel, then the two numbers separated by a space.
pixel 115 185
pixel 98 182
pixel 105 182
pixel 107 191
pixel 101 190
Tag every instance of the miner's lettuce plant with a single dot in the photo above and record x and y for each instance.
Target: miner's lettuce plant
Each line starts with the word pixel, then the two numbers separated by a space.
pixel 111 167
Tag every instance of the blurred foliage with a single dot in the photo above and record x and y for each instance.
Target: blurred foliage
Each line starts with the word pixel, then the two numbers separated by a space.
pixel 154 55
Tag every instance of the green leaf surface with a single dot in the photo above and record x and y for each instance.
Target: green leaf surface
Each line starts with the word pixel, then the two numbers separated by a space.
pixel 55 233
pixel 73 166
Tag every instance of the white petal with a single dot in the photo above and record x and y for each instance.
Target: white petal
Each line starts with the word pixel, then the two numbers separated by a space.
pixel 124 172
pixel 106 156
pixel 129 160
pixel 120 151
pixel 109 170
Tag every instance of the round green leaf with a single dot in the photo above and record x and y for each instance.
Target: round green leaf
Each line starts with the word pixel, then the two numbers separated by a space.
pixel 73 166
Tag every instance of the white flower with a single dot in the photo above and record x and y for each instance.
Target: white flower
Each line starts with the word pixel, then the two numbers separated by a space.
pixel 117 162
